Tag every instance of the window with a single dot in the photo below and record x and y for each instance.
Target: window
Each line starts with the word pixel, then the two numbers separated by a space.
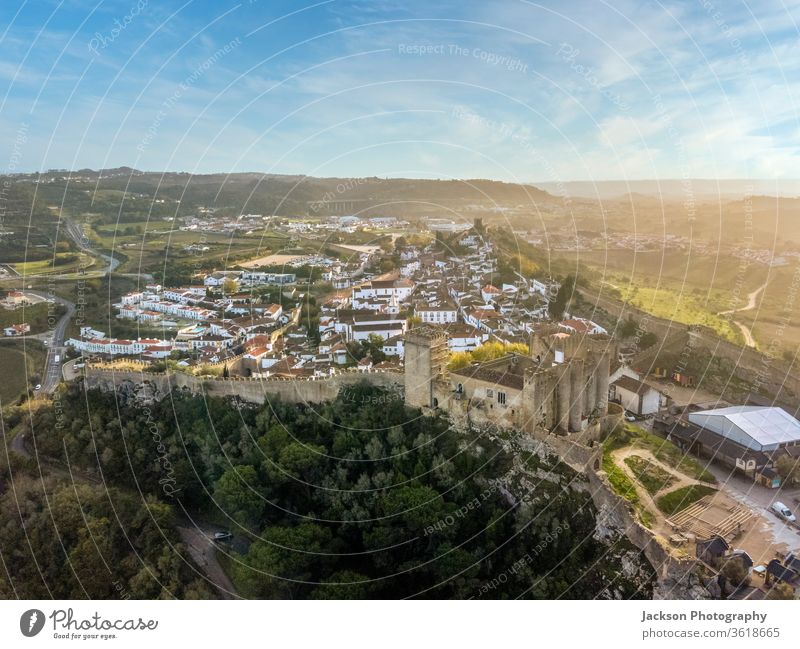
pixel 501 398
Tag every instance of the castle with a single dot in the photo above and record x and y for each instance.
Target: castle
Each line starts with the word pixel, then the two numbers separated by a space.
pixel 561 386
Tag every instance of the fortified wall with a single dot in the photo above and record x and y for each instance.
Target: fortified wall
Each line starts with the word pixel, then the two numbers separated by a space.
pixel 150 386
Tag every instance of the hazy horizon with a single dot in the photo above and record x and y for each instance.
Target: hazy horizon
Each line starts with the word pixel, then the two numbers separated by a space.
pixel 668 188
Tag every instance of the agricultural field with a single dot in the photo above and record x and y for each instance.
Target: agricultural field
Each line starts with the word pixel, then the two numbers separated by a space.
pixel 150 251
pixel 711 274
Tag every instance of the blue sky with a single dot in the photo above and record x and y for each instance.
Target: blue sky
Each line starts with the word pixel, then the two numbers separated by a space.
pixel 518 91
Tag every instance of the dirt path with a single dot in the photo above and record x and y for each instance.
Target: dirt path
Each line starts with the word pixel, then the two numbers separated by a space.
pixel 758 539
pixel 682 480
pixel 752 298
pixel 747 333
pixel 648 500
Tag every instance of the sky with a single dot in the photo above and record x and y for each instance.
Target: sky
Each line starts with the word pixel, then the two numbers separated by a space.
pixel 510 90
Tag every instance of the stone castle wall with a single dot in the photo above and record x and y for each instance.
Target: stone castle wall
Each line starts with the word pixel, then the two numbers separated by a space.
pixel 157 386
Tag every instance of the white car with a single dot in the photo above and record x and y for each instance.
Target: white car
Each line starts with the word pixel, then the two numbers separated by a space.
pixel 38 386
pixel 783 512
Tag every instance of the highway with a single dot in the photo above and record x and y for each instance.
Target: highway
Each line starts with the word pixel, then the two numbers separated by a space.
pixel 75 232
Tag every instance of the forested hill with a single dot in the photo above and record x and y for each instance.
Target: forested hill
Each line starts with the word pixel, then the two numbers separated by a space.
pixel 291 195
pixel 360 497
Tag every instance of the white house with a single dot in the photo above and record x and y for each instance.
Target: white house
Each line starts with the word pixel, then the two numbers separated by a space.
pixel 134 297
pixel 437 314
pixel 399 289
pixel 490 293
pixel 394 347
pixel 17 329
pixel 635 396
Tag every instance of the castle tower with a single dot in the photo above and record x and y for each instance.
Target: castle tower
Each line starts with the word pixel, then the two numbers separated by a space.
pixel 426 356
pixel 603 349
pixel 563 397
pixel 577 386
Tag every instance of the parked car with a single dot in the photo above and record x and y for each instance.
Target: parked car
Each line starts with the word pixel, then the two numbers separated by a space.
pixel 222 536
pixel 783 512
pixel 38 386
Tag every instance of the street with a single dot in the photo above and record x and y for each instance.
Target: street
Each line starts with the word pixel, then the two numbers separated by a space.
pixel 51 375
pixel 759 499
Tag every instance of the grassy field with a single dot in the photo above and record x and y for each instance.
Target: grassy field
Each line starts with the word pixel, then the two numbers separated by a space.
pixel 64 263
pixel 22 363
pixel 151 254
pixel 775 322
pixel 688 308
pixel 652 477
pixel 680 499
pixel 35 315
pixel 677 270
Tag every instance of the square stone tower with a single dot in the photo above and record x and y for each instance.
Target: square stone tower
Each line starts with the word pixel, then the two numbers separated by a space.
pixel 426 356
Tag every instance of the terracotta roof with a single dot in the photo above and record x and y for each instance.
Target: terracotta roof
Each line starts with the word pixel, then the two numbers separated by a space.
pixel 498 376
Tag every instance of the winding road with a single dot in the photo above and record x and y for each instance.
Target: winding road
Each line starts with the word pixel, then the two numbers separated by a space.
pixel 75 232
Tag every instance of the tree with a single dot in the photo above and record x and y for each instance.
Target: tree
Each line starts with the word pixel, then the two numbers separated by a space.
pixel 780 591
pixel 355 350
pixel 557 305
pixel 733 569
pixel 344 585
pixel 278 566
pixel 486 352
pixel 229 286
pixel 628 328
pixel 235 493
pixel 647 339
pixel 373 346
pixel 413 321
pixel 788 469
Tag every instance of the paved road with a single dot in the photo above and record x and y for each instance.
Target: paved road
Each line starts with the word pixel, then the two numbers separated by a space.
pixel 759 499
pixel 75 232
pixel 52 375
pixel 197 537
pixel 52 369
